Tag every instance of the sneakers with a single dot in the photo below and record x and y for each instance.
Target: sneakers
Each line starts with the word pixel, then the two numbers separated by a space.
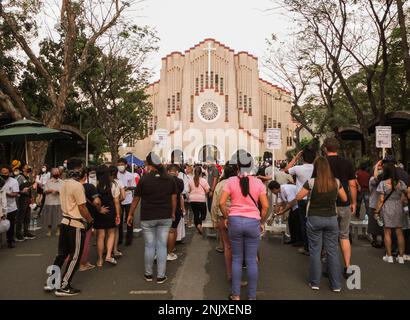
pixel 20 238
pixel 67 292
pixel 48 288
pixel 162 280
pixel 29 236
pixel 148 278
pixel 172 257
pixel 400 259
pixel 406 257
pixel 388 259
pixel 337 290
pixel 313 287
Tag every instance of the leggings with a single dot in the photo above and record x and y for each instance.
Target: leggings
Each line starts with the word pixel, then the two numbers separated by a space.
pixel 199 210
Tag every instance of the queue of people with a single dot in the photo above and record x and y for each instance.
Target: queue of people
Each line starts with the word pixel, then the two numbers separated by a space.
pixel 318 191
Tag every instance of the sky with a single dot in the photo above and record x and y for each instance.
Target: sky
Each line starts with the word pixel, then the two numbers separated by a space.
pixel 242 25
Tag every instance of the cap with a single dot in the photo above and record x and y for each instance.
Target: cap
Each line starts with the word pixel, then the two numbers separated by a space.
pixel 15 164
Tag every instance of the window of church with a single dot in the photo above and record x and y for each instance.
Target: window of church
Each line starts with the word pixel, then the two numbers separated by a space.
pixel 216 83
pixel 226 108
pixel 178 100
pixel 192 109
pixel 173 104
pixel 212 79
pixel 222 85
pixel 270 124
pixel 206 81
pixel 196 86
pixel 129 142
pixel 245 103
pixel 240 100
pixel 202 82
pixel 279 125
pixel 265 122
pixel 169 107
pixel 155 122
pixel 274 124
pixel 250 106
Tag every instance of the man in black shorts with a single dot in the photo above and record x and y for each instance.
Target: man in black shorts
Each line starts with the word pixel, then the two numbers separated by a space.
pixel 173 170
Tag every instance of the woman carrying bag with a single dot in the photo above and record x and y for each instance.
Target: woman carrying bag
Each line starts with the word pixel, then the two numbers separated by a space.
pixel 244 221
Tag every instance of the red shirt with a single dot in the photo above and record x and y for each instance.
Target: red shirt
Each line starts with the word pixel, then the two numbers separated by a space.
pixel 363 178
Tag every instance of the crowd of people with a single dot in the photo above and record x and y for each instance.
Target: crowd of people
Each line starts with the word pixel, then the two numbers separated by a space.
pixel 317 192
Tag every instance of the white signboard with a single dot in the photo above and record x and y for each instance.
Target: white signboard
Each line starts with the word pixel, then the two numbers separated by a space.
pixel 383 137
pixel 161 137
pixel 273 139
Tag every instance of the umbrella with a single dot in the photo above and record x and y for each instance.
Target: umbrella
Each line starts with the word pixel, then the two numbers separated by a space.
pixel 28 130
pixel 133 160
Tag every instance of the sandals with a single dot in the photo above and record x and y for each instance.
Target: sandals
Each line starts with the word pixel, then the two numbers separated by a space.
pixel 117 254
pixel 231 297
pixel 111 261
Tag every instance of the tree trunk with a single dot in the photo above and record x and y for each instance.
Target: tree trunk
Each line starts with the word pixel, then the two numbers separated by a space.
pixel 113 145
pixel 37 151
pixel 7 106
pixel 404 42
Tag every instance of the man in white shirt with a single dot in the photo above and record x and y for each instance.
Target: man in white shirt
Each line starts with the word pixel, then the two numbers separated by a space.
pixel 128 180
pixel 11 189
pixel 287 197
pixel 302 173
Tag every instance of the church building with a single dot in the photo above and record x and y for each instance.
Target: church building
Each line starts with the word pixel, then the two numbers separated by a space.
pixel 210 101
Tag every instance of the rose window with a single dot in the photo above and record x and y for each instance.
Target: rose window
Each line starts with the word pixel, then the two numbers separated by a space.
pixel 209 111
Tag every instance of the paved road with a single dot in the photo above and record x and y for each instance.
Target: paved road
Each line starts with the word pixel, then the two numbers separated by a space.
pixel 199 273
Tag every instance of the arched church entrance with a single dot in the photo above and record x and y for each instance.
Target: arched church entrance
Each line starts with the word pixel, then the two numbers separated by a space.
pixel 209 153
pixel 177 156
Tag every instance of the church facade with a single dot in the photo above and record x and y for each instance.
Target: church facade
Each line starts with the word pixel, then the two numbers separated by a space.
pixel 209 102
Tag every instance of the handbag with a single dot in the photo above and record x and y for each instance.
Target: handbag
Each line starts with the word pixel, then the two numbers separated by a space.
pixel 4 225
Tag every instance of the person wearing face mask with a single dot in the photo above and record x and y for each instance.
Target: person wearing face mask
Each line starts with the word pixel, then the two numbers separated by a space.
pixel 128 181
pixel 373 228
pixel 52 205
pixel 92 176
pixel 41 181
pixel 12 190
pixel 24 211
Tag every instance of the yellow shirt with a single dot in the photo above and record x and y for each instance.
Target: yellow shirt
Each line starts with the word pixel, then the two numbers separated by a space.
pixel 72 195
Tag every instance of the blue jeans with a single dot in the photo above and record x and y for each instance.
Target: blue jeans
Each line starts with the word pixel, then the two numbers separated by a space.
pixel 156 236
pixel 244 235
pixel 302 218
pixel 324 231
pixel 362 196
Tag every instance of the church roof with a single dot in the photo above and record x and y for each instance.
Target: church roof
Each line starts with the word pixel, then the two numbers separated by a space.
pixel 275 86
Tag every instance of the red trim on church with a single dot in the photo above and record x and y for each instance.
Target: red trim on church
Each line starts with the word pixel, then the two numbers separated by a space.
pixel 247 53
pixel 275 86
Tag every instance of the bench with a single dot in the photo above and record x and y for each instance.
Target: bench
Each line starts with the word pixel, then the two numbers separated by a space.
pixel 276 231
pixel 355 226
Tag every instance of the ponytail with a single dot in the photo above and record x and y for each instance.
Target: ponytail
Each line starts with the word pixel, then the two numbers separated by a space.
pixel 244 183
pixel 197 175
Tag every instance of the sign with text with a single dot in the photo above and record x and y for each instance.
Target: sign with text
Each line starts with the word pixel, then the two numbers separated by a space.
pixel 273 139
pixel 161 136
pixel 383 137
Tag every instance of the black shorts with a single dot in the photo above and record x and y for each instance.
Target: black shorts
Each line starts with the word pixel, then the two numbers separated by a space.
pixel 178 216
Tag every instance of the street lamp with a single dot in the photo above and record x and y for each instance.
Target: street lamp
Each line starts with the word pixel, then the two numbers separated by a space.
pixel 86 146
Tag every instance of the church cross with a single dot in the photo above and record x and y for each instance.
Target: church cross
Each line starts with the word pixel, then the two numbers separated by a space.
pixel 209 49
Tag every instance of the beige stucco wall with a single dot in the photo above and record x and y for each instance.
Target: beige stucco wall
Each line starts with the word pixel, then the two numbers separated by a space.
pixel 178 77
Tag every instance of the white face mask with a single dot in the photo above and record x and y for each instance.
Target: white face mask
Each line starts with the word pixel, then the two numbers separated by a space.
pixel 65 165
pixel 121 168
pixel 92 175
pixel 16 172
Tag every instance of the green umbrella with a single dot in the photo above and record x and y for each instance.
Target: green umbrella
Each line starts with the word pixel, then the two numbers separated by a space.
pixel 28 130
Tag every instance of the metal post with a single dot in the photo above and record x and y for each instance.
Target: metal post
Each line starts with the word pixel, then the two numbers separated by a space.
pixel 86 146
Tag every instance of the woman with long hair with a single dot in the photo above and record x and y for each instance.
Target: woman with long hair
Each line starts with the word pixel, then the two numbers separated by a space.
pixel 244 221
pixel 217 216
pixel 390 206
pixel 114 174
pixel 322 226
pixel 198 189
pixel 158 194
pixel 106 224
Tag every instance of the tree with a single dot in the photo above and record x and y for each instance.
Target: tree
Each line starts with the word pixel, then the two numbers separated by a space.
pixel 115 85
pixel 94 17
pixel 404 41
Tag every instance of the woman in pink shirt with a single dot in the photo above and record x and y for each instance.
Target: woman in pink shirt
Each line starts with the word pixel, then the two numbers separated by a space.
pixel 244 222
pixel 198 189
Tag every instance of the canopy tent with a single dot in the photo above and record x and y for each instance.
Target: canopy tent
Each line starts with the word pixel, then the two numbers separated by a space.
pixel 29 130
pixel 133 160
